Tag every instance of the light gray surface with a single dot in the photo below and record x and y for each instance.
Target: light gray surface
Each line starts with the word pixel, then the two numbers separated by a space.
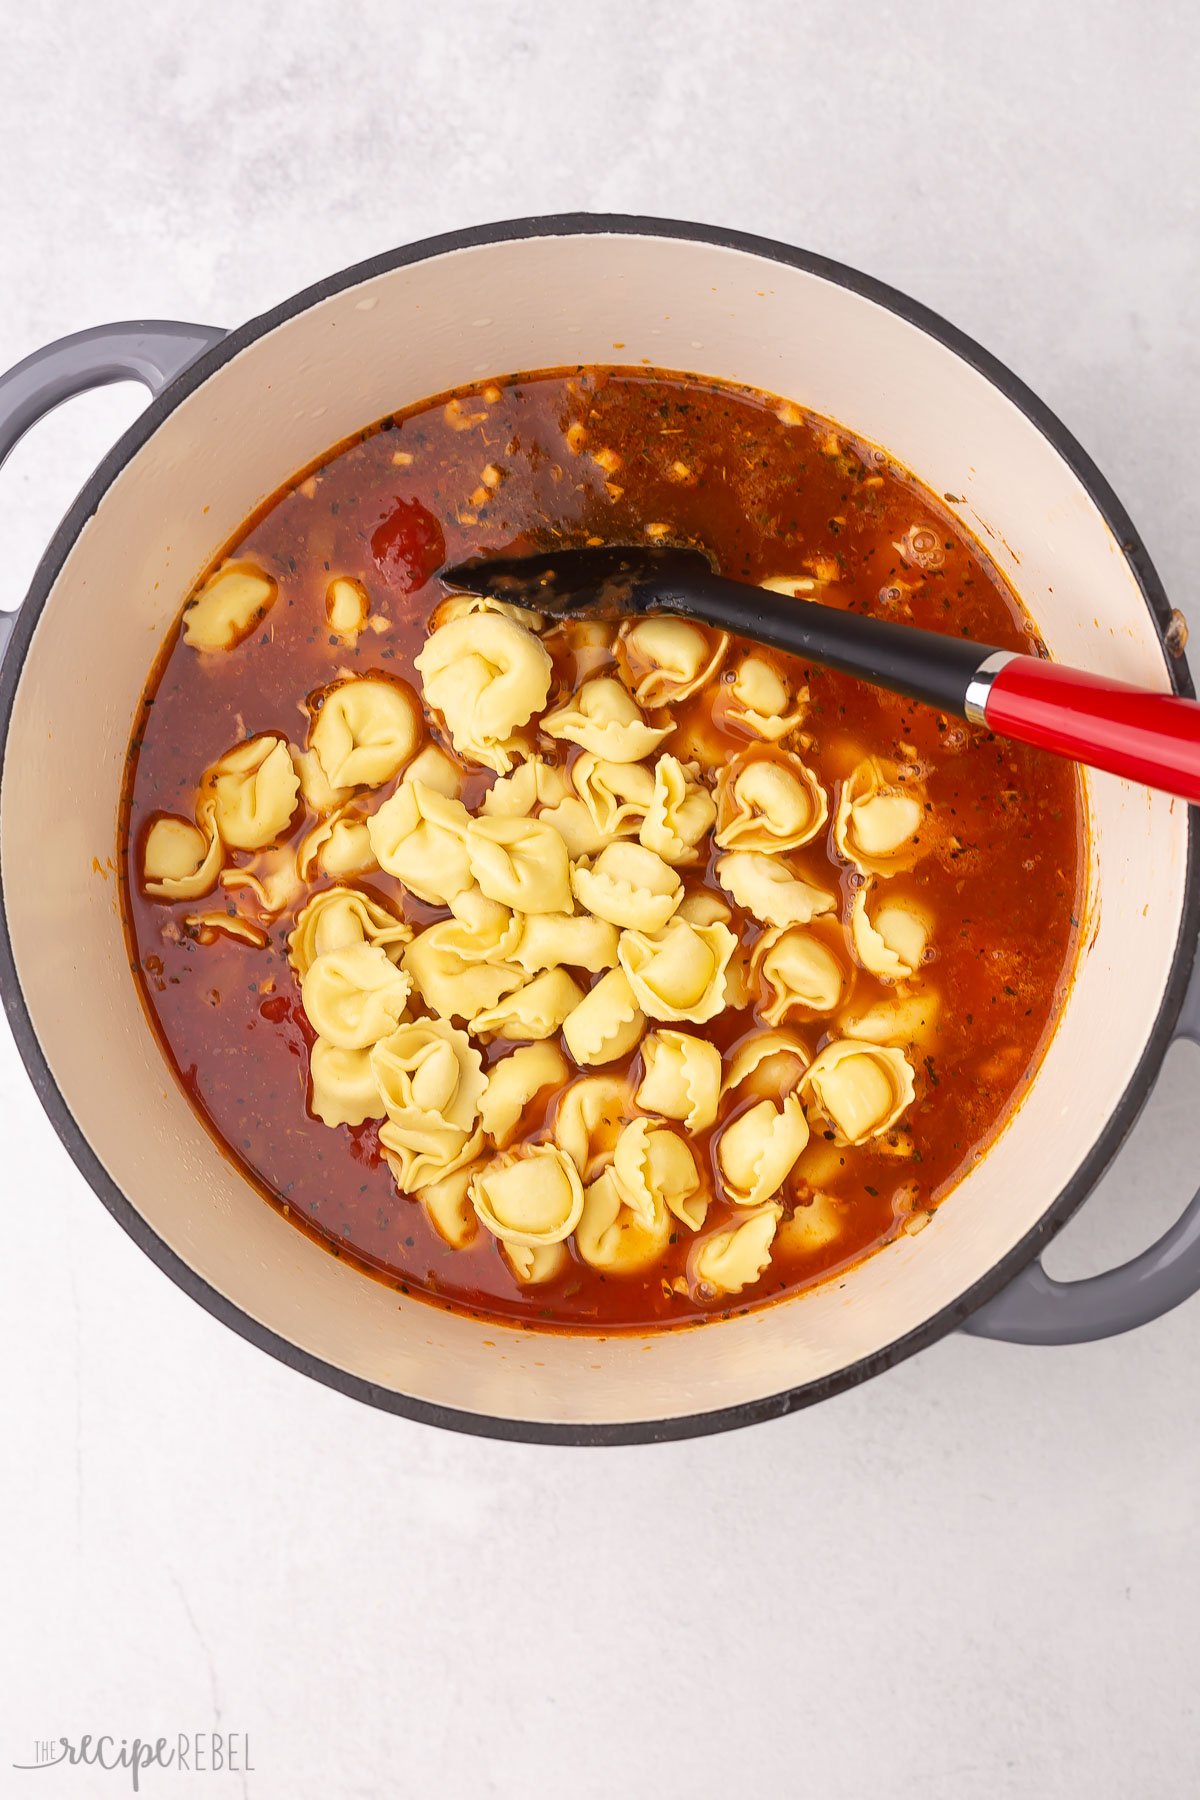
pixel 976 1576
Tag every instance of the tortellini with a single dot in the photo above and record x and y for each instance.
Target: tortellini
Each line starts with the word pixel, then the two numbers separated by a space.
pixel 347 605
pixel 530 1197
pixel 861 1088
pixel 892 944
pixel 181 861
pixel 337 845
pixel 629 886
pixel 420 837
pixel 487 676
pixel 523 863
pixel 735 1257
pixel 589 1118
pixel 512 1085
pixel 616 795
pixel 653 1168
pixel 344 1089
pixel 681 1077
pixel 879 818
pixel 678 973
pixel 606 1024
pixel 770 888
pixel 910 1019
pixel 431 1080
pixel 535 1264
pixel 612 1235
pixel 798 973
pixel 253 788
pixel 535 1010
pixel 532 783
pixel 230 605
pixel 665 660
pixel 758 1148
pixel 758 700
pixel 768 802
pixel 605 719
pixel 446 1203
pixel 365 730
pixel 545 940
pixel 453 982
pixel 680 813
pixel 354 995
pixel 339 916
pixel 766 1064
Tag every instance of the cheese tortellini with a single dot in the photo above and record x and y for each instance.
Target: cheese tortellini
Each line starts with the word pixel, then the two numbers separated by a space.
pixel 629 886
pixel 768 802
pixel 230 605
pixel 861 1088
pixel 253 788
pixel 879 819
pixel 580 969
pixel 487 676
pixel 605 719
pixel 365 730
pixel 681 1078
pixel 678 973
pixel 665 660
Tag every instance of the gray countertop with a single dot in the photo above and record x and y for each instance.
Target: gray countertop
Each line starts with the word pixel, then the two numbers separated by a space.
pixel 975 1576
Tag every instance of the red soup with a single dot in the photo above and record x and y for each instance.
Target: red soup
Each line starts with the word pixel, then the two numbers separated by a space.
pixel 585 977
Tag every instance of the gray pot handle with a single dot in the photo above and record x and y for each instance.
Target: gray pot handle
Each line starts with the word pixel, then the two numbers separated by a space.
pixel 152 351
pixel 1036 1309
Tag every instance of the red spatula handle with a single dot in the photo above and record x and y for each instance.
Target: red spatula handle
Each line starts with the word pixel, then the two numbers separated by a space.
pixel 1129 731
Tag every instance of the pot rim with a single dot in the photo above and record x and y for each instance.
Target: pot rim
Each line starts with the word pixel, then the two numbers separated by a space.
pixel 1092 1166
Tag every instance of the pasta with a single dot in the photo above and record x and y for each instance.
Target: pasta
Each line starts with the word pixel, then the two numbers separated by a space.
pixel 798 972
pixel 365 730
pixel 878 819
pixel 580 940
pixel 612 1235
pixel 861 1088
pixel 617 796
pixel 486 675
pixel 343 1086
pixel 446 1203
pixel 535 1264
pixel 606 720
pixel 532 783
pixel 767 802
pixel 534 1010
pixel 681 1078
pixel 767 1064
pixel 228 607
pixel 755 699
pixel 522 863
pixel 665 660
pixel 431 1080
pixel 629 886
pixel 531 1197
pixel 758 1149
pixel 181 861
pixel 892 945
pixel 354 995
pixel 678 973
pixel 453 982
pixel 606 1024
pixel 339 916
pixel 512 1085
pixel 588 1120
pixel 420 837
pixel 253 788
pixel 734 1258
pixel 337 845
pixel 347 605
pixel 680 812
pixel 653 1168
pixel 770 889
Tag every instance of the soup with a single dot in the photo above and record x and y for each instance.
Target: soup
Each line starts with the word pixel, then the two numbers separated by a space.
pixel 578 976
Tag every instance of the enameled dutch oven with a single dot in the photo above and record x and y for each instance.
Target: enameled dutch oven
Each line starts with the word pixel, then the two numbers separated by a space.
pixel 232 416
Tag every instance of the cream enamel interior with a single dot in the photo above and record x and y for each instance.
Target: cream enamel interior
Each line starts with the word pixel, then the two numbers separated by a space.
pixel 458 316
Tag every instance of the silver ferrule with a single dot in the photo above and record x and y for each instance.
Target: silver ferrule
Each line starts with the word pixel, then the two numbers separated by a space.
pixel 980 685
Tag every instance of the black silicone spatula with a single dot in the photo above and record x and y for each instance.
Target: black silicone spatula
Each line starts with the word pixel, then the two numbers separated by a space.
pixel 1130 731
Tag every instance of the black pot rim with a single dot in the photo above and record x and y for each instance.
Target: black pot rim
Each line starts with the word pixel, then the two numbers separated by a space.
pixel 746 1412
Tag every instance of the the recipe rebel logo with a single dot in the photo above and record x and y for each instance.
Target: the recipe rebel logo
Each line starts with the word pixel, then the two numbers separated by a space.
pixel 192 1752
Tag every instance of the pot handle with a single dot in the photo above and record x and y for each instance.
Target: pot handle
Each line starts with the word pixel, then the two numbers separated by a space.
pixel 1036 1309
pixel 152 351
